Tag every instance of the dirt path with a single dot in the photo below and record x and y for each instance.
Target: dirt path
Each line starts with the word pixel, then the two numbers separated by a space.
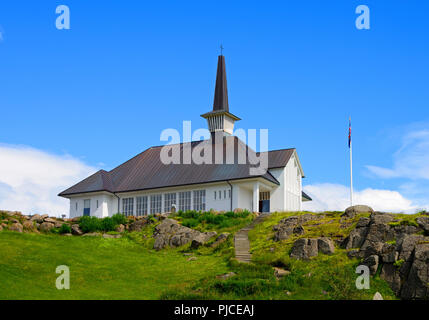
pixel 241 240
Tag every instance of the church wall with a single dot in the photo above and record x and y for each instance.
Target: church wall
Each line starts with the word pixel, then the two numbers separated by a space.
pixel 293 187
pixel 277 196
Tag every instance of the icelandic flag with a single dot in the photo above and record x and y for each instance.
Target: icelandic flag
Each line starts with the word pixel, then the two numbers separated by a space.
pixel 350 131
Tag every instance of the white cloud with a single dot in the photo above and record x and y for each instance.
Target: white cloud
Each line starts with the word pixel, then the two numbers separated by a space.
pixel 30 179
pixel 336 197
pixel 411 161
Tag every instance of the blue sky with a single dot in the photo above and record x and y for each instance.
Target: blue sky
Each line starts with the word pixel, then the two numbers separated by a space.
pixel 104 90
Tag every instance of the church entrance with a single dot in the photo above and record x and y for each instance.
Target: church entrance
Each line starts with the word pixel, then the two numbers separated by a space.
pixel 264 201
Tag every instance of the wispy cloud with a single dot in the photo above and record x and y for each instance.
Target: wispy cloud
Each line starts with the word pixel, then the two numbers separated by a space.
pixel 410 161
pixel 333 197
pixel 30 179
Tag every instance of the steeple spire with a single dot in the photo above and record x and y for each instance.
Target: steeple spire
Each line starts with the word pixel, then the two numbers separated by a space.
pixel 220 119
pixel 221 90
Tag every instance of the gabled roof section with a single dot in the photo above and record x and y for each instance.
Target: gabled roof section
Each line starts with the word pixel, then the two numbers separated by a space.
pixel 99 181
pixel 146 170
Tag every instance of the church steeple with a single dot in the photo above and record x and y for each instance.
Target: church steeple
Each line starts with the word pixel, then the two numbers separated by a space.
pixel 220 119
pixel 221 91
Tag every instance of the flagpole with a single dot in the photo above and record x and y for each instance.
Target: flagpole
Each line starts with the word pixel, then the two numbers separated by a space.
pixel 351 166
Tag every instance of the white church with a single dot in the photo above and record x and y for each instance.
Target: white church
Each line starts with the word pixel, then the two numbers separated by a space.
pixel 145 185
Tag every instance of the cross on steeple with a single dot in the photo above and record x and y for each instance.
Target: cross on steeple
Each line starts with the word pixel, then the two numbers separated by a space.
pixel 221 49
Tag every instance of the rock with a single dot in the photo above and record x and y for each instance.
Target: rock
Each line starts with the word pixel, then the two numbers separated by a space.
pixel 389 253
pixel 372 263
pixel 201 239
pixel 377 296
pixel 44 216
pixel 192 259
pixel 220 239
pixel 423 222
pixel 354 253
pixel 292 225
pixel 363 222
pixel 75 219
pixel 381 218
pixel 16 227
pixel 299 230
pixel 51 220
pixel 417 284
pixel 76 230
pixel 356 238
pixel 354 210
pixel 391 275
pixel 14 220
pixel 169 233
pixel 111 236
pixel 1 227
pixel 28 225
pixel 304 249
pixel 325 245
pixel 46 226
pixel 120 228
pixel 137 225
pixel 280 273
pixel 226 275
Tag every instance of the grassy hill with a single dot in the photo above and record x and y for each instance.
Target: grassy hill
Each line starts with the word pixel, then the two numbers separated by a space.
pixel 128 268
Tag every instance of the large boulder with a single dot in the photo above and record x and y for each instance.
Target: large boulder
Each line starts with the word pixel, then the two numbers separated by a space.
pixel 76 230
pixel 170 233
pixel 201 239
pixel 46 226
pixel 354 210
pixel 29 225
pixel 16 227
pixel 37 218
pixel 304 249
pixel 325 246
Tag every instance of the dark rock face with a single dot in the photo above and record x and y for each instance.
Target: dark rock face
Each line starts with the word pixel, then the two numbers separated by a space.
pixel 304 249
pixel 171 234
pixel 423 222
pixel 402 255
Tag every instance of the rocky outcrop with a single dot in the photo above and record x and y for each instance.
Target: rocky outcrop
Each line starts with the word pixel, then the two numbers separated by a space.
pixel 292 225
pixel 399 250
pixel 170 233
pixel 304 249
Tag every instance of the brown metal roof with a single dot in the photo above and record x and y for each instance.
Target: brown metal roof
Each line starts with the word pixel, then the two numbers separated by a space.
pixel 146 170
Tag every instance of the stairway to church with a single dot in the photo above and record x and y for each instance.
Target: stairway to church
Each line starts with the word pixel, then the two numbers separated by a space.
pixel 241 240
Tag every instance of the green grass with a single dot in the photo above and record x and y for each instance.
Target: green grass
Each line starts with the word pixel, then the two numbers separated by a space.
pixel 128 268
pixel 99 268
